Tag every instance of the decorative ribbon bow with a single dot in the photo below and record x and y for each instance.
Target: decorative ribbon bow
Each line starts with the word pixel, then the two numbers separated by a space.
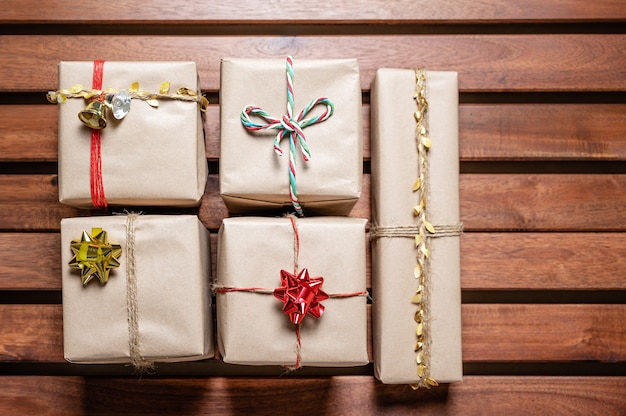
pixel 291 127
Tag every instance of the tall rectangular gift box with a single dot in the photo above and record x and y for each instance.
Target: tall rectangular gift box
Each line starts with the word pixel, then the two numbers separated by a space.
pixel 154 307
pixel 256 325
pixel 415 246
pixel 155 155
pixel 253 178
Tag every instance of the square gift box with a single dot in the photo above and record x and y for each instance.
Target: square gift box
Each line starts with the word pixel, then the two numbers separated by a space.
pixel 161 284
pixel 252 327
pixel 253 178
pixel 395 248
pixel 154 156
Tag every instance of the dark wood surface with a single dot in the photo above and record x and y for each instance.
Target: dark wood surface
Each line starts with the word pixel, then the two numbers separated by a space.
pixel 542 125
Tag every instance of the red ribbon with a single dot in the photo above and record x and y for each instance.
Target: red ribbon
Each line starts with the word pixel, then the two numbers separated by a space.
pixel 95 173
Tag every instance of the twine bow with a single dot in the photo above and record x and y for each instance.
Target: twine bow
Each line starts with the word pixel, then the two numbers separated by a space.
pixel 290 127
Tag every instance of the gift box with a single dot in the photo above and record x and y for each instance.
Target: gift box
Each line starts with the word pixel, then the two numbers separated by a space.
pixel 253 178
pixel 155 306
pixel 415 221
pixel 254 324
pixel 154 156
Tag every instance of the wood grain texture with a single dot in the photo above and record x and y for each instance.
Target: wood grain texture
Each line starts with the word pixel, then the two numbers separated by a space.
pixel 540 261
pixel 487 132
pixel 315 11
pixel 590 62
pixel 491 332
pixel 537 131
pixel 543 202
pixel 543 261
pixel 494 202
pixel 347 395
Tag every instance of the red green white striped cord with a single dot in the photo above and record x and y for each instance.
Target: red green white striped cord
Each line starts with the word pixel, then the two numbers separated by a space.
pixel 289 127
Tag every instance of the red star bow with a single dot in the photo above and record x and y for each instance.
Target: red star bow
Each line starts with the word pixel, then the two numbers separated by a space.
pixel 301 295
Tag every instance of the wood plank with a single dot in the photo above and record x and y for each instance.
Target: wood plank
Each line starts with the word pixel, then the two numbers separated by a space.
pixel 489 261
pixel 546 202
pixel 487 132
pixel 31 202
pixel 348 395
pixel 589 62
pixel 494 202
pixel 491 333
pixel 543 261
pixel 250 12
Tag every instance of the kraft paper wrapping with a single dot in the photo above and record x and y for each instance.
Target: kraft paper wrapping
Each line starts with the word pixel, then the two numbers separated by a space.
pixel 154 156
pixel 252 177
pixel 173 294
pixel 253 329
pixel 394 169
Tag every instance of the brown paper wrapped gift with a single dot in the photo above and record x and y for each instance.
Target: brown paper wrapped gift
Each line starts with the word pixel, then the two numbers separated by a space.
pixel 253 329
pixel 394 170
pixel 172 305
pixel 252 177
pixel 153 156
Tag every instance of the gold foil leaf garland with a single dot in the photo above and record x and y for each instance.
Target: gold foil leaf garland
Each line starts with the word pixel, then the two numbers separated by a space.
pixel 118 101
pixel 94 256
pixel 424 230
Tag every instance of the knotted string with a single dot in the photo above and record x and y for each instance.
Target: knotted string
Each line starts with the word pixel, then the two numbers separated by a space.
pixel 290 127
pixel 95 172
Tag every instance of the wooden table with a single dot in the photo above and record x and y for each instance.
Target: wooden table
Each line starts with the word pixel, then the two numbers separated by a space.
pixel 543 198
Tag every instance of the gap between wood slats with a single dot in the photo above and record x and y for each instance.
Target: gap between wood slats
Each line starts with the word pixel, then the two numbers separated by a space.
pixel 550 266
pixel 491 333
pixel 217 368
pixel 347 395
pixel 613 26
pixel 485 62
pixel 583 296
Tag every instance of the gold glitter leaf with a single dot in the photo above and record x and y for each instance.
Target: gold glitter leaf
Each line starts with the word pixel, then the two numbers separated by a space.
pixel 427 142
pixel 417 298
pixel 75 89
pixel 417 184
pixel 165 88
pixel 421 370
pixel 429 227
pixel 134 87
pixel 417 271
pixel 418 240
pixel 431 381
pixel 420 329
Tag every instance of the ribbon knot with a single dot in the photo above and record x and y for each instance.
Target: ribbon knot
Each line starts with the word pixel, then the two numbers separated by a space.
pixel 290 127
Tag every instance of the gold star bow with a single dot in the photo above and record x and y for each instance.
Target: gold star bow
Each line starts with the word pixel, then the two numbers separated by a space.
pixel 94 255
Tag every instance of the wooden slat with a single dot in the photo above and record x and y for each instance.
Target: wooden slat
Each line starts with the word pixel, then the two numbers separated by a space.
pixel 543 202
pixel 590 62
pixel 250 12
pixel 540 261
pixel 546 202
pixel 486 132
pixel 542 132
pixel 491 332
pixel 543 261
pixel 349 395
pixel 30 202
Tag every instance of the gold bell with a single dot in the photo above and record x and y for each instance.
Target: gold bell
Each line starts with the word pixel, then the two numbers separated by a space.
pixel 93 115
